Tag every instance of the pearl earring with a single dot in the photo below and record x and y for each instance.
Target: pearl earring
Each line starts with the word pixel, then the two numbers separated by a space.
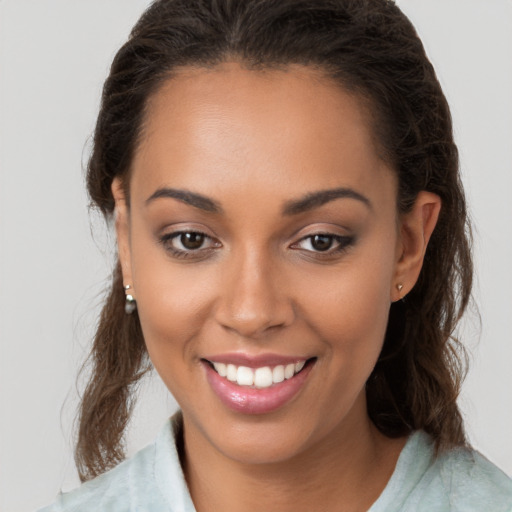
pixel 130 305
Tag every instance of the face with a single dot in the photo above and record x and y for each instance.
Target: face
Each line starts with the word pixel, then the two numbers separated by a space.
pixel 263 246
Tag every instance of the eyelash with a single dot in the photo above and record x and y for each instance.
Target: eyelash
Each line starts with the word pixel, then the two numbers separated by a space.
pixel 343 243
pixel 166 241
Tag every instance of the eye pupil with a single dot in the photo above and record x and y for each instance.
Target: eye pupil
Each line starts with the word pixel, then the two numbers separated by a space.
pixel 321 242
pixel 192 240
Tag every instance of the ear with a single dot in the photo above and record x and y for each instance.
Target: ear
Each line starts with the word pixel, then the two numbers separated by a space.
pixel 122 225
pixel 416 227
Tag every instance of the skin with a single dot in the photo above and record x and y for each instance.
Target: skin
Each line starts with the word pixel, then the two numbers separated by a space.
pixel 252 141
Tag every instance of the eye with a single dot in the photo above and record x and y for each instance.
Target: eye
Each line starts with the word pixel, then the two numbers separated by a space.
pixel 188 243
pixel 324 243
pixel 321 242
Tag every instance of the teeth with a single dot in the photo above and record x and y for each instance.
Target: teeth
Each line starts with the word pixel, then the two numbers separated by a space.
pixel 262 377
pixel 289 370
pixel 231 372
pixel 278 374
pixel 221 369
pixel 244 376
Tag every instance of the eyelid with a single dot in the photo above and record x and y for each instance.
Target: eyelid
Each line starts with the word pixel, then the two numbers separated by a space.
pixel 170 230
pixel 322 227
pixel 177 234
pixel 342 241
pixel 168 236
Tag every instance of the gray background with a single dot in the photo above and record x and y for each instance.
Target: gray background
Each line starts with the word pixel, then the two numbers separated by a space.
pixel 54 55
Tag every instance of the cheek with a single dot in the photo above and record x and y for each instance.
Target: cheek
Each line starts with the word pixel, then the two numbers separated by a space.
pixel 349 306
pixel 173 306
pixel 353 319
pixel 173 300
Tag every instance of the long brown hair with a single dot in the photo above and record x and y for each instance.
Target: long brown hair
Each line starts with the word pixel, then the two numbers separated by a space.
pixel 370 48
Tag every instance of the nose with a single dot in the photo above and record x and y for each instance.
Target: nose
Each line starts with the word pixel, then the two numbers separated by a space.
pixel 253 298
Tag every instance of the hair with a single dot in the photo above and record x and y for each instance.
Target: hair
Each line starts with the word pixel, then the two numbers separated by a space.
pixel 370 48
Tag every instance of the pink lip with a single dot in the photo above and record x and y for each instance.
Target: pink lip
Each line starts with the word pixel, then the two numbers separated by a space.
pixel 255 361
pixel 250 400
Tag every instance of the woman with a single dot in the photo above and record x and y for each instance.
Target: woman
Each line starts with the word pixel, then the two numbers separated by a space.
pixel 293 259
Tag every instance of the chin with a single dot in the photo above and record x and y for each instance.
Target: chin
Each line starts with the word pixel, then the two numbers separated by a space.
pixel 266 446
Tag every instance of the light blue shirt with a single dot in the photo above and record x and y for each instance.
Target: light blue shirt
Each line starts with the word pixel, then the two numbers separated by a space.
pixel 152 481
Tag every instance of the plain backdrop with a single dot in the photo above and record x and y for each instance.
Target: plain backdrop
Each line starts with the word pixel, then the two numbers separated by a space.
pixel 54 56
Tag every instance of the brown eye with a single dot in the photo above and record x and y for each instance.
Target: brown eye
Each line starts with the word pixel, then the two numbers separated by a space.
pixel 327 243
pixel 189 244
pixel 192 241
pixel 322 242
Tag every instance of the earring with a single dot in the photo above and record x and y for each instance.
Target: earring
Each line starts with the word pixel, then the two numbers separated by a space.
pixel 399 287
pixel 130 305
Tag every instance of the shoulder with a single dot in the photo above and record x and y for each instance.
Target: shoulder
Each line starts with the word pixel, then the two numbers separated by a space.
pixel 111 490
pixel 151 480
pixel 472 482
pixel 459 480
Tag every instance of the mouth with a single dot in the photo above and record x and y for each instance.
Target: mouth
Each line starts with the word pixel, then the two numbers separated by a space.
pixel 254 387
pixel 261 377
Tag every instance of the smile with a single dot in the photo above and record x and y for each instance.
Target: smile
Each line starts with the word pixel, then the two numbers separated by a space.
pixel 258 386
pixel 262 377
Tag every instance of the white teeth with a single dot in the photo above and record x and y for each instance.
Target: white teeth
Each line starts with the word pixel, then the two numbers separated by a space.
pixel 289 371
pixel 244 376
pixel 262 377
pixel 221 369
pixel 278 374
pixel 231 372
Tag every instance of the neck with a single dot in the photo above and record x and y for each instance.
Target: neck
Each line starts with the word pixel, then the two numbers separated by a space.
pixel 351 466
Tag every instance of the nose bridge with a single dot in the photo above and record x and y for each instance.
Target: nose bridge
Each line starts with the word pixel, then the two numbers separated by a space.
pixel 251 299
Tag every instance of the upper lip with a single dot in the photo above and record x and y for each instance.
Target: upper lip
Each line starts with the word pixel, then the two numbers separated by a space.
pixel 255 361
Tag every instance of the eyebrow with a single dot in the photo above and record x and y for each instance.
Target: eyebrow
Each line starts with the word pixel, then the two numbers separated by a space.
pixel 308 202
pixel 317 199
pixel 187 197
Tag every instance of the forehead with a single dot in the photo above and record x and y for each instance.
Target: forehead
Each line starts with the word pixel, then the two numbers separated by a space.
pixel 292 128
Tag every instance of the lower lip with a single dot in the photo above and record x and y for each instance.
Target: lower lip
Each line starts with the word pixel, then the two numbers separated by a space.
pixel 250 400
